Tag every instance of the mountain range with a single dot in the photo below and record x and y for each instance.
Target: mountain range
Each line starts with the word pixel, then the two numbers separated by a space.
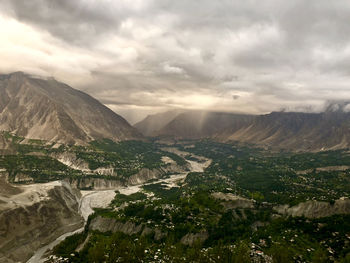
pixel 49 110
pixel 45 109
pixel 287 130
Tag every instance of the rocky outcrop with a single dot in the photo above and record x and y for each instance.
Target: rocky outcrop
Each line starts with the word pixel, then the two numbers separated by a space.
pixel 21 178
pixel 6 146
pixel 113 182
pixel 231 201
pixel 324 169
pixel 316 209
pixel 71 160
pixel 34 220
pixel 93 183
pixel 145 175
pixel 191 238
pixel 6 189
pixel 105 224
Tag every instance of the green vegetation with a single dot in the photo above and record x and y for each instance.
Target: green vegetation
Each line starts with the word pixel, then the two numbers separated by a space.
pixel 127 158
pixel 224 231
pixel 285 178
pixel 35 160
pixel 189 223
pixel 36 168
pixel 233 234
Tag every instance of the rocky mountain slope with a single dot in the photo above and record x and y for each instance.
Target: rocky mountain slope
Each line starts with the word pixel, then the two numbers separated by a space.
pixel 34 215
pixel 5 145
pixel 316 209
pixel 296 131
pixel 286 130
pixel 201 124
pixel 153 123
pixel 50 110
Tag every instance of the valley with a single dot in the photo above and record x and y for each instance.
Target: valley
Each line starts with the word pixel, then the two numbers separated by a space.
pixel 196 186
pixel 200 199
pixel 174 131
pixel 233 202
pixel 91 200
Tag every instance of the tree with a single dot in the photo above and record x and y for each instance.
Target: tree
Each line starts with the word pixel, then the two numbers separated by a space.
pixel 320 256
pixel 346 259
pixel 280 254
pixel 241 253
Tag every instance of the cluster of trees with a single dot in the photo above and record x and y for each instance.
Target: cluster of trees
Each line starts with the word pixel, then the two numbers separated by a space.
pixel 273 177
pixel 35 158
pixel 231 237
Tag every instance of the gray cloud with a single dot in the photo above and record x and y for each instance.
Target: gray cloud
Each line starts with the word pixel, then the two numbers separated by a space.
pixel 73 21
pixel 143 55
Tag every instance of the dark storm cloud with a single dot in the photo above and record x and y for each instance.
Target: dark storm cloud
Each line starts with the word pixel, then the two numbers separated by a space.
pixel 73 21
pixel 263 55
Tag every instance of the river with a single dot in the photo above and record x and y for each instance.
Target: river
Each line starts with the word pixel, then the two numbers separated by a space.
pixel 102 198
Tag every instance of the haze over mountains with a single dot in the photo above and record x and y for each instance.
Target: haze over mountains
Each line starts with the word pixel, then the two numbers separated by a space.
pixel 46 109
pixel 287 130
pixel 50 110
pixel 153 123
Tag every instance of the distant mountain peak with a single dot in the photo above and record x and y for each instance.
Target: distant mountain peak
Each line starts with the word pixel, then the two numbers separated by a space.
pixel 42 108
pixel 152 123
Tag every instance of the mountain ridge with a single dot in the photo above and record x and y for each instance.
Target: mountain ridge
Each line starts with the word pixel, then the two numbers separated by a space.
pixel 152 123
pixel 329 130
pixel 49 110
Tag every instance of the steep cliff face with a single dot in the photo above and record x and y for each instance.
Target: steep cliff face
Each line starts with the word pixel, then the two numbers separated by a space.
pixel 316 209
pixel 145 175
pixel 71 160
pixel 34 215
pixel 3 142
pixel 5 145
pixel 104 224
pixel 92 183
pixel 110 180
pixel 113 182
pixel 49 110
pixel 231 201
pixel 190 238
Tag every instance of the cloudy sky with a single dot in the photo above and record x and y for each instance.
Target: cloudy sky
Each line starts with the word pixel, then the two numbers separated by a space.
pixel 144 56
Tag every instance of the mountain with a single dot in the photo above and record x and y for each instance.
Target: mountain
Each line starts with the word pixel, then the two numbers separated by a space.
pixel 284 130
pixel 202 124
pixel 49 110
pixel 296 131
pixel 152 123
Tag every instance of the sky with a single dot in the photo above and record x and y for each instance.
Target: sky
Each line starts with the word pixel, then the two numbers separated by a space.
pixel 145 56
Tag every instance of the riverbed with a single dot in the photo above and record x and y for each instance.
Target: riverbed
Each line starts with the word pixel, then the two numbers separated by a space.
pixel 102 198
